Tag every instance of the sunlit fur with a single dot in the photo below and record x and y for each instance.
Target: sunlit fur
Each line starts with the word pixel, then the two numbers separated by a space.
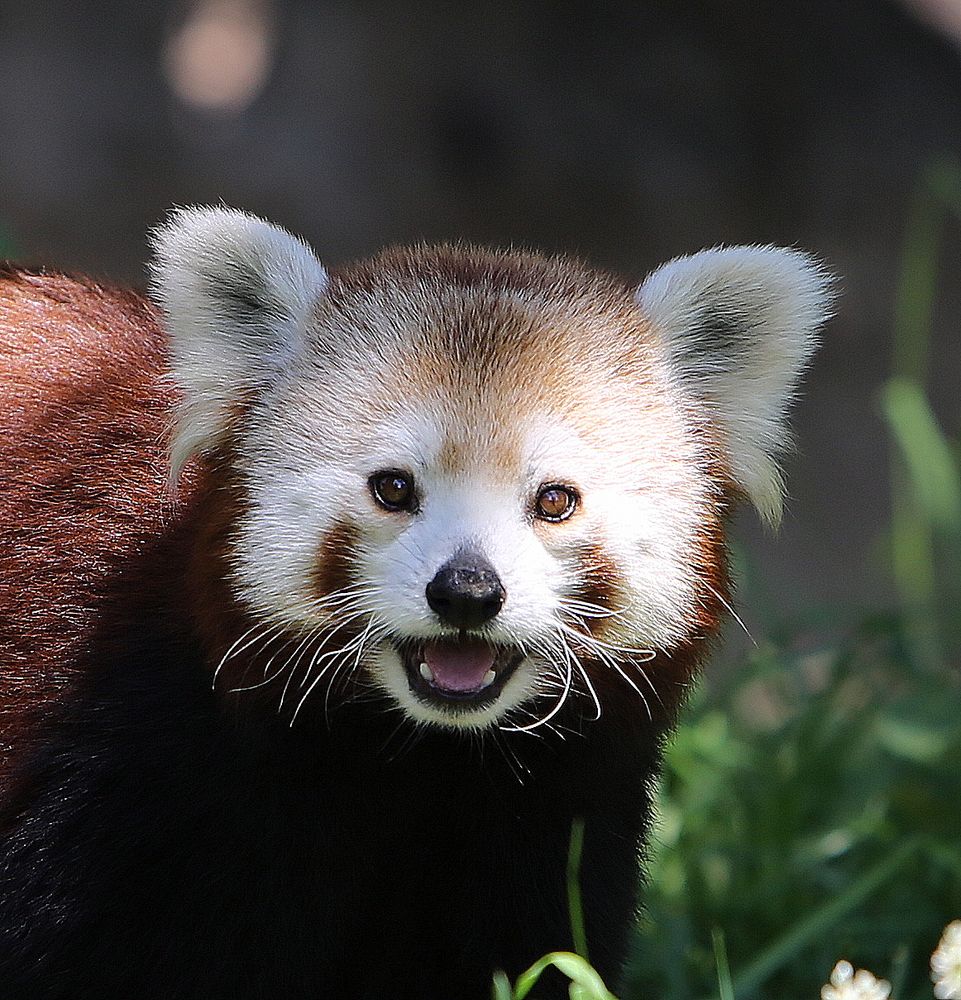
pixel 485 375
pixel 243 288
pixel 738 324
pixel 218 779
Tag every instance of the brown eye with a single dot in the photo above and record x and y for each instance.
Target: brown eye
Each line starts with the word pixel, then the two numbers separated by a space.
pixel 393 490
pixel 555 503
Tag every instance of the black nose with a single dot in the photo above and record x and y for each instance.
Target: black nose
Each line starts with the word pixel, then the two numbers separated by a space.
pixel 466 592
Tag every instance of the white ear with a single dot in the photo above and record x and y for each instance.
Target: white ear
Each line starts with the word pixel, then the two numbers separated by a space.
pixel 740 325
pixel 237 293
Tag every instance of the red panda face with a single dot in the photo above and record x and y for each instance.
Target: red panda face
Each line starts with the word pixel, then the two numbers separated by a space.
pixel 506 551
pixel 494 484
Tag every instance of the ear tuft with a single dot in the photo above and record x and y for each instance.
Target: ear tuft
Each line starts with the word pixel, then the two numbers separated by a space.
pixel 237 293
pixel 740 325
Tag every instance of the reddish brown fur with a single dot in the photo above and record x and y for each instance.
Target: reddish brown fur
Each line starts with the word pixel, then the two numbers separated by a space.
pixel 471 267
pixel 83 454
pixel 505 306
pixel 216 613
pixel 334 570
pixel 600 581
pixel 87 515
pixel 663 680
pixel 83 448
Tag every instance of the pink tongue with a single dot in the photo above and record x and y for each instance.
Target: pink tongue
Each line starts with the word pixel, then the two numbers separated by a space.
pixel 459 666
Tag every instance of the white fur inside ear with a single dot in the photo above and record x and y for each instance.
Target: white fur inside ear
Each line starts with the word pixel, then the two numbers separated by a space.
pixel 237 294
pixel 740 325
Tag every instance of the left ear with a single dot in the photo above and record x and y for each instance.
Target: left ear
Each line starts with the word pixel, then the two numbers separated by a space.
pixel 740 325
pixel 237 294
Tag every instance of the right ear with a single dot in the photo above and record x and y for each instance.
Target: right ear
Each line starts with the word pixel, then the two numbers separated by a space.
pixel 237 293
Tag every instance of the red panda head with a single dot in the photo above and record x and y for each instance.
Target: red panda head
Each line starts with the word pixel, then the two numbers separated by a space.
pixel 491 485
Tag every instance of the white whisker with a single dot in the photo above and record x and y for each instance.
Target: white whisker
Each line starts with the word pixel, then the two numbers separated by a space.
pixel 294 662
pixel 550 715
pixel 356 644
pixel 233 649
pixel 603 650
pixel 731 611
pixel 592 642
pixel 590 610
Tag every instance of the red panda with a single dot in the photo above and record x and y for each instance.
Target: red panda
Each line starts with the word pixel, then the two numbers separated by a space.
pixel 330 600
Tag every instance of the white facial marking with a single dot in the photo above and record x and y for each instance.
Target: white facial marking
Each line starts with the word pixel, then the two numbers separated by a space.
pixel 641 500
pixel 331 389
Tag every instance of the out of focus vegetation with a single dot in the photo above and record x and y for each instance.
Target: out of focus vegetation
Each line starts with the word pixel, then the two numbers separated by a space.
pixel 811 810
pixel 811 805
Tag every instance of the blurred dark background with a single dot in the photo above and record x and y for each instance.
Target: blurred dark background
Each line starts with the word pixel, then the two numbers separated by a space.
pixel 626 132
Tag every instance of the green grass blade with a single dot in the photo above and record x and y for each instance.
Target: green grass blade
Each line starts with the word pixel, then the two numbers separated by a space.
pixel 938 192
pixel 725 987
pixel 820 921
pixel 943 179
pixel 925 452
pixel 917 283
pixel 501 987
pixel 575 907
pixel 589 985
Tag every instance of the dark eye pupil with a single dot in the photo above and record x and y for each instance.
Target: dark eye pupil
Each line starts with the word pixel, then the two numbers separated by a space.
pixel 392 490
pixel 556 503
pixel 553 501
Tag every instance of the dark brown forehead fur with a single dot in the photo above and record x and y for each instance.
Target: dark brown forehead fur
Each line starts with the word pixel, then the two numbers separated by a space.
pixel 512 328
pixel 473 304
pixel 466 266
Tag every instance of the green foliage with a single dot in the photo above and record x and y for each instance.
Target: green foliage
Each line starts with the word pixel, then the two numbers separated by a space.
pixel 811 805
pixel 585 983
pixel 925 530
pixel 574 907
pixel 811 809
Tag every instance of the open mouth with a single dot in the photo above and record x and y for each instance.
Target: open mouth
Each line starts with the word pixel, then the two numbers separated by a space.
pixel 463 671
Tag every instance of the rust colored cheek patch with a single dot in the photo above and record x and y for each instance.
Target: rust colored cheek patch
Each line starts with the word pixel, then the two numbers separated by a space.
pixel 600 584
pixel 334 569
